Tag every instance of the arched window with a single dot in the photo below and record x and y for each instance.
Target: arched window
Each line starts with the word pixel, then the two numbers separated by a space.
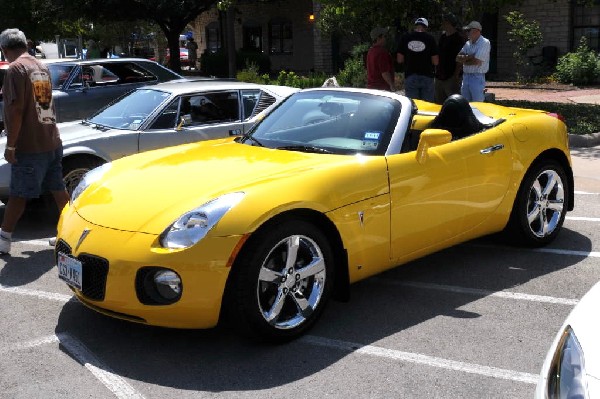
pixel 280 36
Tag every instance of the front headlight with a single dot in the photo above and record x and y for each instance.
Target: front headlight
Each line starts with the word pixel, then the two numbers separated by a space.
pixel 566 377
pixel 90 177
pixel 195 224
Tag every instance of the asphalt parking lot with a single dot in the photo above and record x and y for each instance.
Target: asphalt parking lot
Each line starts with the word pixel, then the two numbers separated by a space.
pixel 473 321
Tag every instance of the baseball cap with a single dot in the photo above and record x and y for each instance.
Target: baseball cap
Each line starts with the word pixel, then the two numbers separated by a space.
pixel 473 25
pixel 421 21
pixel 378 31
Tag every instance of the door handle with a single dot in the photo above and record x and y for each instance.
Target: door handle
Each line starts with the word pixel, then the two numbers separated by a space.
pixel 491 149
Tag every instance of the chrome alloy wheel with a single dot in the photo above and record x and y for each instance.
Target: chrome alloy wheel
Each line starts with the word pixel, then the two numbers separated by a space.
pixel 291 282
pixel 73 177
pixel 546 203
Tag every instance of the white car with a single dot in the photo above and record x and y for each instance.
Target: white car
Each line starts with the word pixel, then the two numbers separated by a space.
pixel 572 365
pixel 158 116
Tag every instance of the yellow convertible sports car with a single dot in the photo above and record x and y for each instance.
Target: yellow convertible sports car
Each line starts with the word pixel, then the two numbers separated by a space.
pixel 333 186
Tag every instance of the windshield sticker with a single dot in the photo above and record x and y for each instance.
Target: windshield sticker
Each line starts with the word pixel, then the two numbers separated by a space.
pixel 372 135
pixel 371 140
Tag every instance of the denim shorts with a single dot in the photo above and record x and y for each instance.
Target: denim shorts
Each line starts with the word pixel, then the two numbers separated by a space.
pixel 33 174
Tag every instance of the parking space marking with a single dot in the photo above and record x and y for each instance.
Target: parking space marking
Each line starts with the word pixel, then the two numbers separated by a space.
pixel 425 360
pixel 585 254
pixel 30 344
pixel 557 251
pixel 480 292
pixel 585 193
pixel 116 384
pixel 583 219
pixel 54 296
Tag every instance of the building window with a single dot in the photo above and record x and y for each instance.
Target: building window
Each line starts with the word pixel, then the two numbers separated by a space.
pixel 253 38
pixel 213 37
pixel 280 36
pixel 586 22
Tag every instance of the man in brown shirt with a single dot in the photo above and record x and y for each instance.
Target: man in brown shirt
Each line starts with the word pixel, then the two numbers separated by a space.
pixel 33 145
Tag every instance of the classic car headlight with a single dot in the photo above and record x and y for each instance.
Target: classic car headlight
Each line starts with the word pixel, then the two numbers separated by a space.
pixel 195 224
pixel 566 376
pixel 90 177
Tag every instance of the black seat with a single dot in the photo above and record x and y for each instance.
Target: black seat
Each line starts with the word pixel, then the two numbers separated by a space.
pixel 457 117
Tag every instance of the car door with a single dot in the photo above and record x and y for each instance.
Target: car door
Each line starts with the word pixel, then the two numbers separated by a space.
pixel 428 198
pixel 196 117
pixel 488 161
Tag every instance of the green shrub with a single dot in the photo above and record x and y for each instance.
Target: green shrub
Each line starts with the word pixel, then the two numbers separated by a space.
pixel 215 64
pixel 579 68
pixel 250 74
pixel 354 73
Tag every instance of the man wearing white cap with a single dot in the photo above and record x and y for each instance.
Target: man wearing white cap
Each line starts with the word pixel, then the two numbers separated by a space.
pixel 418 51
pixel 475 57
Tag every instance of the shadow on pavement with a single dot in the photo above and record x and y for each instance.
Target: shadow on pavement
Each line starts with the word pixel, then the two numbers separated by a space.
pixel 218 360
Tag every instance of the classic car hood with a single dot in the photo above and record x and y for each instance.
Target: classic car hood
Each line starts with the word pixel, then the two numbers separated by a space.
pixel 148 191
pixel 76 130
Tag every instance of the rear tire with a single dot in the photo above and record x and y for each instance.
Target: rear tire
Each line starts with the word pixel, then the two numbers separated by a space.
pixel 281 282
pixel 540 206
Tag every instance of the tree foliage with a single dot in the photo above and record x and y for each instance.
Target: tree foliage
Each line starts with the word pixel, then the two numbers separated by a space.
pixel 358 17
pixel 524 34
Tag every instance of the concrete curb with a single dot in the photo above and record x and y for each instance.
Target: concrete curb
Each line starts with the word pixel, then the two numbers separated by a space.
pixel 584 140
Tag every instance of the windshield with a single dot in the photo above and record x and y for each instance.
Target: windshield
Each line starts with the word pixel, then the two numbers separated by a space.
pixel 131 110
pixel 339 122
pixel 59 73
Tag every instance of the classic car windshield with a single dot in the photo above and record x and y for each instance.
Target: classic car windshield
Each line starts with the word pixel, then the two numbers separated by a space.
pixel 59 73
pixel 131 110
pixel 324 121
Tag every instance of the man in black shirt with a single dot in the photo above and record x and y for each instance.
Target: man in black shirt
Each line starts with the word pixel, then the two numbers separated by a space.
pixel 418 52
pixel 448 71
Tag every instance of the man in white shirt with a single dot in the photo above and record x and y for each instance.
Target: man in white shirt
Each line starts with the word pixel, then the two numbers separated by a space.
pixel 475 57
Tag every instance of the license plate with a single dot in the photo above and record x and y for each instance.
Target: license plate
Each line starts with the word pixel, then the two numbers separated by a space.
pixel 69 270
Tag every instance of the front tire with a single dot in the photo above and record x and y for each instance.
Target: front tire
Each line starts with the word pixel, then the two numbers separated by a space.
pixel 75 168
pixel 541 205
pixel 281 282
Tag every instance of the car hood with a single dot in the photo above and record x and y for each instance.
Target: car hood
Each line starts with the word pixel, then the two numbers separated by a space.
pixel 148 191
pixel 74 132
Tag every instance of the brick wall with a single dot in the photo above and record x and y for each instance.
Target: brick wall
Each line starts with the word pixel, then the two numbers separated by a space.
pixel 311 51
pixel 554 18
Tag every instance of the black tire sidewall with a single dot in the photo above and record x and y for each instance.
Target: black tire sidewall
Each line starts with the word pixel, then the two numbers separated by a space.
pixel 519 225
pixel 244 304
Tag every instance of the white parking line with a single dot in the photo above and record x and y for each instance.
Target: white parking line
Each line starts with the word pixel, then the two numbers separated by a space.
pixel 40 294
pixel 422 359
pixel 583 219
pixel 585 193
pixel 117 385
pixel 30 344
pixel 480 292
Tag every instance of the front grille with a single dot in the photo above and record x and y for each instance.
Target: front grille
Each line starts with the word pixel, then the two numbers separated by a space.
pixel 94 270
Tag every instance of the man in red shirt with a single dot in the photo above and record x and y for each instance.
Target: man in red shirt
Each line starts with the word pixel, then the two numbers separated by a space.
pixel 33 145
pixel 380 65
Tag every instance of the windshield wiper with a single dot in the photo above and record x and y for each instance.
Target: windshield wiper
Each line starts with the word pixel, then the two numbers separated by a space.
pixel 305 148
pixel 249 137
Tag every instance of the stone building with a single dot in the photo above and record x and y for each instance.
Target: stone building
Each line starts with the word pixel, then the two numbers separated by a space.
pixel 286 31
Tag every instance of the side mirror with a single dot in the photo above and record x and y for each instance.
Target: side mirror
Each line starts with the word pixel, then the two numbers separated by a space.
pixel 431 138
pixel 183 120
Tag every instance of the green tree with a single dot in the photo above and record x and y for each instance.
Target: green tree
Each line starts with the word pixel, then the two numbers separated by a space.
pixel 524 34
pixel 171 16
